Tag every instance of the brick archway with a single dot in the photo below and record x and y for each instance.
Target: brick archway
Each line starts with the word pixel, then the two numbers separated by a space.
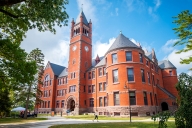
pixel 71 103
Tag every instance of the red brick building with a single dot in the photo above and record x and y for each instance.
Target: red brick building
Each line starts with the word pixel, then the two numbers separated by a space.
pixel 125 77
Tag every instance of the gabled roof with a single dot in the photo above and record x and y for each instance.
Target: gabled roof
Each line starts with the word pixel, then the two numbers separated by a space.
pixel 84 18
pixel 64 72
pixel 166 64
pixel 122 42
pixel 57 69
pixel 166 92
pixel 101 63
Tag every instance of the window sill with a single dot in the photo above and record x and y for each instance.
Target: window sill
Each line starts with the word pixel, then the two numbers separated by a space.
pixel 116 83
pixel 131 82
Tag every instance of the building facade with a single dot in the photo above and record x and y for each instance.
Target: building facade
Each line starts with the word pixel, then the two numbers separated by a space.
pixel 125 78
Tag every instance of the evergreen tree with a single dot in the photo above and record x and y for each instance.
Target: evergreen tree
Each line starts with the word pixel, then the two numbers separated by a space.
pixel 38 57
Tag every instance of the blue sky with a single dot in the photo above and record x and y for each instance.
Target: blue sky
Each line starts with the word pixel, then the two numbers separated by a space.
pixel 148 22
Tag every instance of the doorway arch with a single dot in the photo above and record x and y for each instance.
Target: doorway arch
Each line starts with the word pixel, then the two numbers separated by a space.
pixel 71 104
pixel 164 106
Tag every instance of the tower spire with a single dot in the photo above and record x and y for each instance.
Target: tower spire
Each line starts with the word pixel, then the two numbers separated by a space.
pixel 81 7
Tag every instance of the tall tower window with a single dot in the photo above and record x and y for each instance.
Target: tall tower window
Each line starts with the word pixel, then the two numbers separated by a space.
pixel 142 75
pixel 141 57
pixel 114 58
pixel 170 73
pixel 130 74
pixel 129 56
pixel 115 76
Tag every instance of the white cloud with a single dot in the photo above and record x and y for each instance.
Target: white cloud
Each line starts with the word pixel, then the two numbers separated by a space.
pixel 116 11
pixel 157 4
pixel 168 47
pixel 189 73
pixel 135 5
pixel 53 46
pixel 152 10
pixel 101 48
pixel 88 8
pixel 176 58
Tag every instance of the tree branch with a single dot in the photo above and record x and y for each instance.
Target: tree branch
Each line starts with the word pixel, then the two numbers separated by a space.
pixel 10 2
pixel 8 13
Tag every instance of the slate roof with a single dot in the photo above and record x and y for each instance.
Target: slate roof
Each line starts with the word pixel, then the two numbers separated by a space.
pixel 101 63
pixel 149 55
pixel 122 42
pixel 64 72
pixel 57 69
pixel 84 18
pixel 166 64
pixel 167 92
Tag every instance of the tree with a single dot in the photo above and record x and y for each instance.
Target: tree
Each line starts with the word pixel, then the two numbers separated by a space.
pixel 184 32
pixel 183 115
pixel 14 70
pixel 37 56
pixel 18 16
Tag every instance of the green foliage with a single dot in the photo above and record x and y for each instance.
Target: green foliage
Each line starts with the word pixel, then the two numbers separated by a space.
pixel 184 32
pixel 17 18
pixel 14 70
pixel 183 115
pixel 162 117
pixel 38 57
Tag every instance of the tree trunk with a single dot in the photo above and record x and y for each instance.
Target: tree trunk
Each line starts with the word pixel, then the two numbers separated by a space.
pixel 27 102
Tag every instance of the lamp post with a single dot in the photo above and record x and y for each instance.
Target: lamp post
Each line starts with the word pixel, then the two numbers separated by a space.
pixel 127 87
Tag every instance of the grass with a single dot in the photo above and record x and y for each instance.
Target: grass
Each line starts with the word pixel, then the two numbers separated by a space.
pixel 90 117
pixel 115 125
pixel 19 120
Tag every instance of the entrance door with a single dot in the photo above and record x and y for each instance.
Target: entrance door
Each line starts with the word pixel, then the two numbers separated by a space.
pixel 164 106
pixel 71 105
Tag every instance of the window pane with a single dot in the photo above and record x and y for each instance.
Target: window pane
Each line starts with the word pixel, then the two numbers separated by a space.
pixel 115 75
pixel 114 58
pixel 116 98
pixel 128 56
pixel 130 74
pixel 141 57
pixel 132 98
pixel 142 75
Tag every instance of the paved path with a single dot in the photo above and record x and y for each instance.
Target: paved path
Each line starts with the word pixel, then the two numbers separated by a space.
pixel 60 120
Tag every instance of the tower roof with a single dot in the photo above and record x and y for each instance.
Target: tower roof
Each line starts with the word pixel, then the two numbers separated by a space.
pixel 166 64
pixel 122 42
pixel 83 16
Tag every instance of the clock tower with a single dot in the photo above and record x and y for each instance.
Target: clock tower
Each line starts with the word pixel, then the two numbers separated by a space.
pixel 80 60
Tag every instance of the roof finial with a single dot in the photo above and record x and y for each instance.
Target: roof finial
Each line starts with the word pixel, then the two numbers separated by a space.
pixel 120 32
pixel 81 7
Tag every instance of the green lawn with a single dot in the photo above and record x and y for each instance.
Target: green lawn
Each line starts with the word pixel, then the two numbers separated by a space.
pixel 20 120
pixel 90 117
pixel 115 125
